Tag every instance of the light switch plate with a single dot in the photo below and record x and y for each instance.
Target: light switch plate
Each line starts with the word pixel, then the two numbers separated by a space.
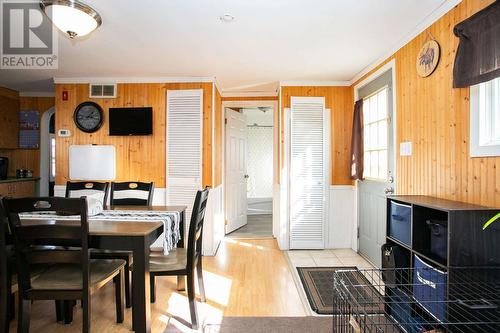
pixel 405 148
pixel 64 133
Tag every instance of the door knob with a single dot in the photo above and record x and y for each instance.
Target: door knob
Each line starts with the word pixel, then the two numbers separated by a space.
pixel 246 176
pixel 388 190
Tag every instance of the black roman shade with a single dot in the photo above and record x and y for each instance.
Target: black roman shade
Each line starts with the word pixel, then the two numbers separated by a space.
pixel 478 54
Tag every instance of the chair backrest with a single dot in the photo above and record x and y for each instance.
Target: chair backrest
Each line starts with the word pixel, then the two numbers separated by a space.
pixel 80 189
pixel 195 235
pixel 132 193
pixel 5 243
pixel 46 242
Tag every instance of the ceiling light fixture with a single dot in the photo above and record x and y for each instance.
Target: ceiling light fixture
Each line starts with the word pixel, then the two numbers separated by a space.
pixel 71 16
pixel 226 18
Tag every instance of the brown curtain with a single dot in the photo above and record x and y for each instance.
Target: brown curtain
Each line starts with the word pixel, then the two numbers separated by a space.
pixel 357 142
pixel 478 54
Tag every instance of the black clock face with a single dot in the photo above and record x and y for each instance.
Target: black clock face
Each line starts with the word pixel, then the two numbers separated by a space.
pixel 88 117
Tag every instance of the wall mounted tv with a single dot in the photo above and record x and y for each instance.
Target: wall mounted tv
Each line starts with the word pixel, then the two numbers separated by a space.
pixel 131 121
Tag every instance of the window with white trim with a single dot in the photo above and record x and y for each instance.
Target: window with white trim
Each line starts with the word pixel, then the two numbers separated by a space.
pixel 375 131
pixel 485 119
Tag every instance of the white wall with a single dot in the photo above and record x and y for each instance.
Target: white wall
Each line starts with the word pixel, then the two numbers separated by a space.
pixel 260 162
pixel 342 213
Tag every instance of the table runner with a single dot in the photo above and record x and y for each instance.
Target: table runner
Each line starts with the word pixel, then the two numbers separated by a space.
pixel 166 242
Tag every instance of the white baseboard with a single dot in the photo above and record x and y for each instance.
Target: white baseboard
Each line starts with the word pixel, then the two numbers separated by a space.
pixel 159 194
pixel 342 216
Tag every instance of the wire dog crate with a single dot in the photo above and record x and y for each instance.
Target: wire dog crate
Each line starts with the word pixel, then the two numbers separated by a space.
pixel 416 300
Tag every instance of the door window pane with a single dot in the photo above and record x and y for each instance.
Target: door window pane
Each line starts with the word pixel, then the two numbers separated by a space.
pixel 375 130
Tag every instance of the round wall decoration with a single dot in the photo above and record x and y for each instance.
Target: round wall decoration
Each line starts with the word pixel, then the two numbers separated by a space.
pixel 428 58
pixel 88 117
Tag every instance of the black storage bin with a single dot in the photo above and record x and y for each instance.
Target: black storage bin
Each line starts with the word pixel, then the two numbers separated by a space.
pixel 439 238
pixel 430 288
pixel 400 222
pixel 393 258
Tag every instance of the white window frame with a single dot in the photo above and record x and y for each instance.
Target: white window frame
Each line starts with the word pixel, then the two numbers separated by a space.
pixel 482 142
pixel 388 122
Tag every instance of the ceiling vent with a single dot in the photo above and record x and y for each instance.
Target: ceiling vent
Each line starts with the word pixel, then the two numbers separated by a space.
pixel 102 90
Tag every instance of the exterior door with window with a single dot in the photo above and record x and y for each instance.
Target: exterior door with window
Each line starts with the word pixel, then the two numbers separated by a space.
pixel 378 172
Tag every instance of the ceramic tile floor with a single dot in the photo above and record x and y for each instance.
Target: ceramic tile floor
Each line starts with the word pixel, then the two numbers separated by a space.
pixel 322 258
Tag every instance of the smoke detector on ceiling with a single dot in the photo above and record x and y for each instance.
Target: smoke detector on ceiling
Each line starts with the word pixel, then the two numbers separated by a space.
pixel 226 18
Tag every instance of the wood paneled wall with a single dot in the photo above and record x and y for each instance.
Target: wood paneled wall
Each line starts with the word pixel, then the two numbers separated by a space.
pixel 138 157
pixel 340 101
pixel 218 144
pixel 435 117
pixel 27 158
pixel 262 98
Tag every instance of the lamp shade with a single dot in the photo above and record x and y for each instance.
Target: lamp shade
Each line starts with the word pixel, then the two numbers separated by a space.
pixel 72 17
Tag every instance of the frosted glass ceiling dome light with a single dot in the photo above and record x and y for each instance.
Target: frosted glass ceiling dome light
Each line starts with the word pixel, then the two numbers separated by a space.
pixel 71 16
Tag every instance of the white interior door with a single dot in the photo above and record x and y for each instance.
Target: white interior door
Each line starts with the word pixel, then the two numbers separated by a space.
pixel 184 147
pixel 378 173
pixel 308 172
pixel 236 176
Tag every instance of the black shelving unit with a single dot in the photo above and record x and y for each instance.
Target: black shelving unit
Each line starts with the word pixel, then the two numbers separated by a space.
pixel 467 244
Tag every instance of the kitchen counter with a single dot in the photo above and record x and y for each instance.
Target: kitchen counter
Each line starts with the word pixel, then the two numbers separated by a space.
pixel 16 180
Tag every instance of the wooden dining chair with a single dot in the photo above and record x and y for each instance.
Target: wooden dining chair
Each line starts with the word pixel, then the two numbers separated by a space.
pixel 79 189
pixel 8 285
pixel 183 262
pixel 123 194
pixel 132 194
pixel 71 274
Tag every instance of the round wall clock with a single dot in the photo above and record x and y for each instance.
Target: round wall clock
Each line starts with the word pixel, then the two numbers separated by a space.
pixel 88 117
pixel 428 58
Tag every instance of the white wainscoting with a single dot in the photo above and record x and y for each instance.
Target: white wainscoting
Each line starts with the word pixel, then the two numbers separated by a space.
pixel 342 213
pixel 159 195
pixel 213 229
pixel 214 218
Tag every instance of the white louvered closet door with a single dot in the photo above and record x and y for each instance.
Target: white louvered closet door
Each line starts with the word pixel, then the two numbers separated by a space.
pixel 184 147
pixel 308 172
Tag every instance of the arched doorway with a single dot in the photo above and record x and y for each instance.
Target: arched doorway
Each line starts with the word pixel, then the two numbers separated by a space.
pixel 46 150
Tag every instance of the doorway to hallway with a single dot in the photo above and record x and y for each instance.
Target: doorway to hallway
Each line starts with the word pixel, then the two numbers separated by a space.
pixel 249 171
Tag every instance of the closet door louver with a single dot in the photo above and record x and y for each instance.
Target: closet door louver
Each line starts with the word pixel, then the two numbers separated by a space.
pixel 184 147
pixel 307 173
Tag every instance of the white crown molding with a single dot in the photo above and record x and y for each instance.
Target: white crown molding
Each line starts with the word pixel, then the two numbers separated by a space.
pixel 315 83
pixel 142 79
pixel 249 94
pixel 217 86
pixel 445 7
pixel 37 94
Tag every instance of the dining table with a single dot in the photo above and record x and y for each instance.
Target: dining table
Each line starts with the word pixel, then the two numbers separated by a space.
pixel 136 236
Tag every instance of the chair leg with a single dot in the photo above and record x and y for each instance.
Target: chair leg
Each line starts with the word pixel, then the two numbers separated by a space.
pixel 181 282
pixel 119 290
pixel 152 282
pixel 59 310
pixel 4 310
pixel 86 312
pixel 11 306
pixel 192 300
pixel 68 312
pixel 23 315
pixel 128 302
pixel 201 285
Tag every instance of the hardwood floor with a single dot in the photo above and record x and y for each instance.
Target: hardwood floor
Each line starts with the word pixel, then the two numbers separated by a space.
pixel 245 278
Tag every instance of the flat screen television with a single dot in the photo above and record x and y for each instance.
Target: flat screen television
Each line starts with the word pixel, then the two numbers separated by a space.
pixel 131 121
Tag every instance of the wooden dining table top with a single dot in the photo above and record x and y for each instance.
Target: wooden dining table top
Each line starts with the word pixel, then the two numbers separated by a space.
pixel 115 227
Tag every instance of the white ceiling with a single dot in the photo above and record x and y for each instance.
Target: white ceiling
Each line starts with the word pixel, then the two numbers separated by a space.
pixel 269 41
